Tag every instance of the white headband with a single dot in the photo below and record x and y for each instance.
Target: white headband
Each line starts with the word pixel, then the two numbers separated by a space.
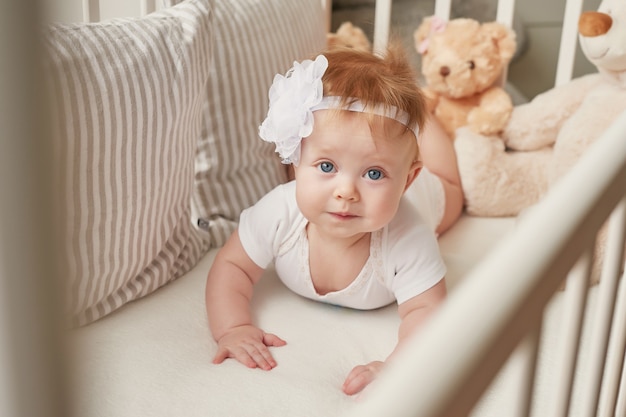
pixel 390 112
pixel 293 99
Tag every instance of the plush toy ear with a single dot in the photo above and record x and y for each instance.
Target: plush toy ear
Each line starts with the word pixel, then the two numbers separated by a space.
pixel 350 36
pixel 332 40
pixel 421 33
pixel 503 37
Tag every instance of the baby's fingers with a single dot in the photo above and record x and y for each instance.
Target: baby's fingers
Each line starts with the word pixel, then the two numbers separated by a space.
pixel 237 353
pixel 249 355
pixel 356 382
pixel 360 377
pixel 270 339
pixel 221 355
pixel 262 357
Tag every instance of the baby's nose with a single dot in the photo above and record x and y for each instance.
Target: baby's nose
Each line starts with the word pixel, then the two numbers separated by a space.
pixel 346 190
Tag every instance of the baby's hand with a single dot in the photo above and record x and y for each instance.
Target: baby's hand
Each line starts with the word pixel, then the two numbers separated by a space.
pixel 248 344
pixel 361 376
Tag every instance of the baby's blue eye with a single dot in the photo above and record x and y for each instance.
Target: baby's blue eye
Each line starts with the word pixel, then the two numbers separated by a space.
pixel 375 174
pixel 326 167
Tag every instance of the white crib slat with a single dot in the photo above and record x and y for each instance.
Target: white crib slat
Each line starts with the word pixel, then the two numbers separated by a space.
pixel 575 300
pixel 442 9
pixel 615 364
pixel 506 9
pixel 569 40
pixel 620 409
pixel 91 10
pixel 381 25
pixel 529 348
pixel 147 6
pixel 327 6
pixel 606 307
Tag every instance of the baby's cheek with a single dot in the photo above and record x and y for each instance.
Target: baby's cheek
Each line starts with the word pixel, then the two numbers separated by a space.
pixel 386 210
pixel 305 199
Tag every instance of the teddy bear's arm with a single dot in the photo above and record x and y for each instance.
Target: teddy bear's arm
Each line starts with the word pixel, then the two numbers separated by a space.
pixel 536 124
pixel 492 113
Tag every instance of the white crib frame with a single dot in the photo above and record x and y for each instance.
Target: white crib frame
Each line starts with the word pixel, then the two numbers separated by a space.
pixel 436 378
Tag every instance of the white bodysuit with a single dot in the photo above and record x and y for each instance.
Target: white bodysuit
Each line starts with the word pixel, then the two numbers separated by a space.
pixel 404 256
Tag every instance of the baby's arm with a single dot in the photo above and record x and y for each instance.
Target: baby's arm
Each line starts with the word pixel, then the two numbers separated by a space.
pixel 228 292
pixel 413 314
pixel 438 154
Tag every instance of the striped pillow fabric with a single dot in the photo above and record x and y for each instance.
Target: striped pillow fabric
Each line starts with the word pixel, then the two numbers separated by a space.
pixel 254 40
pixel 127 110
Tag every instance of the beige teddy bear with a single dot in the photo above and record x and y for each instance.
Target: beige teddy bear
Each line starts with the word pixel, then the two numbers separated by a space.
pixel 503 175
pixel 349 35
pixel 462 62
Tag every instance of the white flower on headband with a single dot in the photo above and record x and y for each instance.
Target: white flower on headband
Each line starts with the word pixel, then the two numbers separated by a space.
pixel 292 97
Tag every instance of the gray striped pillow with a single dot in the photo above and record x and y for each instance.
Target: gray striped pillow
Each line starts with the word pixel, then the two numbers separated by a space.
pixel 127 113
pixel 254 40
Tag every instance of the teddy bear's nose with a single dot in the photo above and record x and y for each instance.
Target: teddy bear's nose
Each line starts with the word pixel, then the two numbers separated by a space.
pixel 444 71
pixel 592 24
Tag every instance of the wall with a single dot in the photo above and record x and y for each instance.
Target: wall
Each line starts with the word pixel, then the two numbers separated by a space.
pixel 534 72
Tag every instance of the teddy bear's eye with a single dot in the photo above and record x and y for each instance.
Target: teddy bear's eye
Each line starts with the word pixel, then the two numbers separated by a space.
pixel 471 65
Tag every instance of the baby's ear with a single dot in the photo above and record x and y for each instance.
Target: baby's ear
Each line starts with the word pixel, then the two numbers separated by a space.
pixel 414 171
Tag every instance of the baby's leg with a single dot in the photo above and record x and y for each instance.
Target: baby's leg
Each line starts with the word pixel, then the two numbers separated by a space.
pixel 437 154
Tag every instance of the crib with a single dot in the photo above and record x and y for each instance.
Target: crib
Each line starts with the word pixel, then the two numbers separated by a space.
pixel 501 310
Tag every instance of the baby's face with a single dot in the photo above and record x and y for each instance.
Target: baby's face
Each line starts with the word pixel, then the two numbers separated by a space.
pixel 350 180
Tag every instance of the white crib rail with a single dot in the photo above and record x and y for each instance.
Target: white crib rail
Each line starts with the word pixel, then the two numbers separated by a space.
pixel 444 371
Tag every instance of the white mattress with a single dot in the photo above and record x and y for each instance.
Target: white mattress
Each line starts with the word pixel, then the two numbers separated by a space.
pixel 153 357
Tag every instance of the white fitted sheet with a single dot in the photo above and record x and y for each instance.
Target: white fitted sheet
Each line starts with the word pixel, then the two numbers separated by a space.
pixel 153 356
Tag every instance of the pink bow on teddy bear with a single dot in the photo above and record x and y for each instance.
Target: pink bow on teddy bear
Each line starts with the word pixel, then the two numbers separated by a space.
pixel 437 25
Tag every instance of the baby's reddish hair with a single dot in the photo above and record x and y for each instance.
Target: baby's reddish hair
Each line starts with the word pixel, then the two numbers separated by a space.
pixel 387 80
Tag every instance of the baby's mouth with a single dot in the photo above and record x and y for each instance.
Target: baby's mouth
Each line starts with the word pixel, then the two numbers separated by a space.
pixel 343 215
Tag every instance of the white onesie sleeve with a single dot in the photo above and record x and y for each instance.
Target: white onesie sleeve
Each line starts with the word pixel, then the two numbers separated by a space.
pixel 263 226
pixel 414 262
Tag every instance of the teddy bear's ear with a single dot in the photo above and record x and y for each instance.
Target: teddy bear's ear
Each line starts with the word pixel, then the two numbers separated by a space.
pixel 348 35
pixel 422 32
pixel 503 37
pixel 345 29
pixel 332 40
